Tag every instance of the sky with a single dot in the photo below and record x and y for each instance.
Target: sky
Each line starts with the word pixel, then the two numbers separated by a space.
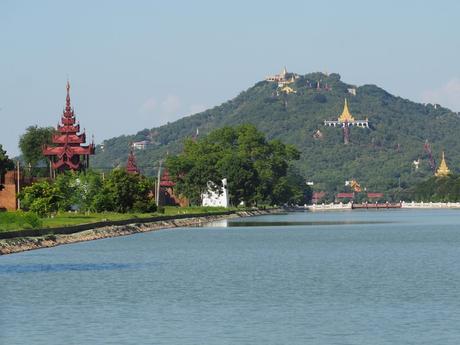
pixel 140 64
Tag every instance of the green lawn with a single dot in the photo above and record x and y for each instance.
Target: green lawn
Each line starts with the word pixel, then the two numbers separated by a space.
pixel 19 220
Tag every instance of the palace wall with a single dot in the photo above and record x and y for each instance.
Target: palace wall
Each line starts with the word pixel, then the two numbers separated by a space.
pixel 8 194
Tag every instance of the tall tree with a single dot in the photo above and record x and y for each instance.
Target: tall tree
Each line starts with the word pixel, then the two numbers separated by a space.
pixel 252 165
pixel 32 141
pixel 124 192
pixel 5 164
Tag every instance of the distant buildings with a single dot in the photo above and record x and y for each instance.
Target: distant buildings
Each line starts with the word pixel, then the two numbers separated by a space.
pixel 345 121
pixel 443 169
pixel 286 89
pixel 140 145
pixel 352 91
pixel 283 78
pixel 317 197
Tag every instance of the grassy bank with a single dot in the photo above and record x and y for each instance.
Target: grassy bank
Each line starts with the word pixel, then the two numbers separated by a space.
pixel 10 221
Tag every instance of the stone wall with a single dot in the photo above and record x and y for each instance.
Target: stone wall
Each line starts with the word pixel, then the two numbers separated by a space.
pixel 8 194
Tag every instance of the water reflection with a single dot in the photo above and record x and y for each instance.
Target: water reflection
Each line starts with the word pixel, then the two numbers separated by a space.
pixel 248 223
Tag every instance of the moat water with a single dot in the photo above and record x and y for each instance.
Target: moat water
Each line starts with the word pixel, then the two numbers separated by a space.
pixel 350 277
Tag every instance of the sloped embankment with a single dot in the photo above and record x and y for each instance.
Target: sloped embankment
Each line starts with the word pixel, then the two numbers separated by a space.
pixel 20 244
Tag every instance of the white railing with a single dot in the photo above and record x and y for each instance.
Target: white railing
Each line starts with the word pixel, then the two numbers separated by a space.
pixel 325 207
pixel 422 204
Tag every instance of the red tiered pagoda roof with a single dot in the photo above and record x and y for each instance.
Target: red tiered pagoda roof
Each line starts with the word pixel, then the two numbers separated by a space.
pixel 131 166
pixel 68 151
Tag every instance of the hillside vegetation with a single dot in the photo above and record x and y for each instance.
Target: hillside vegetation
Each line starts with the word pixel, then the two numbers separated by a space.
pixel 380 158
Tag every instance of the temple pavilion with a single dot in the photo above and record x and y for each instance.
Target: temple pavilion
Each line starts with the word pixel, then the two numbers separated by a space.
pixel 283 78
pixel 346 121
pixel 443 169
pixel 68 151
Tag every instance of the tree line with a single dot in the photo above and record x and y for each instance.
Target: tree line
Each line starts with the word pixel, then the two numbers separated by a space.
pixel 258 171
pixel 439 189
pixel 90 192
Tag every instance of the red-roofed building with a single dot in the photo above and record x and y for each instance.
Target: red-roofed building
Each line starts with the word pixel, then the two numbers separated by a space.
pixel 345 195
pixel 131 165
pixel 68 151
pixel 317 197
pixel 167 196
pixel 374 195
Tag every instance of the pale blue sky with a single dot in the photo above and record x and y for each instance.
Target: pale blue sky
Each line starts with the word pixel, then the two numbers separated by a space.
pixel 139 64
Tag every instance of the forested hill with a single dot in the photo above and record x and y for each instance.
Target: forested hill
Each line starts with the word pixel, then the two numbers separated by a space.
pixel 380 158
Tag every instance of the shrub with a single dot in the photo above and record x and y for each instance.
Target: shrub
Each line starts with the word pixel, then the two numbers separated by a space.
pixel 144 206
pixel 33 219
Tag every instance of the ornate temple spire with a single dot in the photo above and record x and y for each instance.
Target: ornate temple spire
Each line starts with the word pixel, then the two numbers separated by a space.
pixel 346 115
pixel 443 169
pixel 67 151
pixel 131 165
pixel 345 121
pixel 67 100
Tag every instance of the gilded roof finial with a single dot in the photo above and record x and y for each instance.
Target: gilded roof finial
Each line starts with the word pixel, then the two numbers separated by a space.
pixel 346 115
pixel 67 99
pixel 443 169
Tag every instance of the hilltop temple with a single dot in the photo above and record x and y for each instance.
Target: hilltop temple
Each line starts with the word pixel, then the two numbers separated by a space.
pixel 283 78
pixel 68 151
pixel 345 121
pixel 443 169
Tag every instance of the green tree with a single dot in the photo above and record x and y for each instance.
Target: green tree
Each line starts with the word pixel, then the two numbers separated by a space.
pixel 252 165
pixel 41 198
pixel 79 190
pixel 120 192
pixel 292 189
pixel 438 189
pixel 5 164
pixel 124 192
pixel 32 141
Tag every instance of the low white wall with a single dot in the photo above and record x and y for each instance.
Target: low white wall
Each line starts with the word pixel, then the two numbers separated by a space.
pixel 430 204
pixel 332 206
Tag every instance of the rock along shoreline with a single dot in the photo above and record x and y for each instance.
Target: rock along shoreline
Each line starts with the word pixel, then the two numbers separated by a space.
pixel 21 244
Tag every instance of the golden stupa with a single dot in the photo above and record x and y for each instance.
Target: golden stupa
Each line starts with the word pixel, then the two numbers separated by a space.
pixel 443 169
pixel 346 116
pixel 287 90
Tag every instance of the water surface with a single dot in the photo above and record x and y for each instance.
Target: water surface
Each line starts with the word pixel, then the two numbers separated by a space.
pixel 348 277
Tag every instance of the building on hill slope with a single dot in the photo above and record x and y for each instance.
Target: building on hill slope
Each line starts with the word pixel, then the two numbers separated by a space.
pixel 141 145
pixel 443 169
pixel 287 90
pixel 346 121
pixel 283 78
